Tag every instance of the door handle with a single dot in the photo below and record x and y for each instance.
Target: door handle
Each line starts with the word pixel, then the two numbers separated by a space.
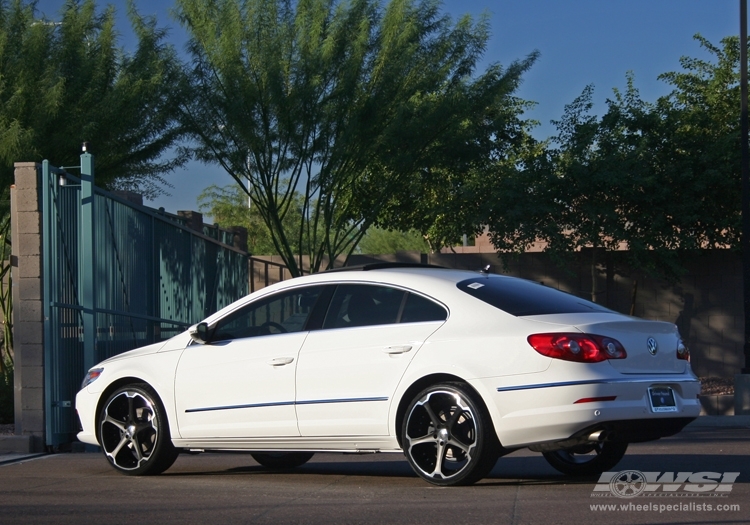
pixel 397 349
pixel 281 361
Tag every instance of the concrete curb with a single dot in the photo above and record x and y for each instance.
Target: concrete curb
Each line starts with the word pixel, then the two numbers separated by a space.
pixel 720 422
pixel 8 459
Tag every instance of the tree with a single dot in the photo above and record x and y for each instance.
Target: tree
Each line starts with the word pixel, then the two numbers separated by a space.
pixel 229 207
pixel 659 178
pixel 697 155
pixel 380 241
pixel 341 101
pixel 64 83
pixel 565 197
pixel 447 198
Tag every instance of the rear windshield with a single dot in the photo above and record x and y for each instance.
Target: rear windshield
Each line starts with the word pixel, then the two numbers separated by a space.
pixel 520 297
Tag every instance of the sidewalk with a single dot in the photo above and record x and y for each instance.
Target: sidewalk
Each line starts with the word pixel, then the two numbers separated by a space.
pixel 12 444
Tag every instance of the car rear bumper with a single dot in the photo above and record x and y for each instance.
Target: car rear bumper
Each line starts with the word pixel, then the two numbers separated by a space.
pixel 619 405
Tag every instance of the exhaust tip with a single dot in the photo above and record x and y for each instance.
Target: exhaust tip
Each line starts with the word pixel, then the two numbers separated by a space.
pixel 599 436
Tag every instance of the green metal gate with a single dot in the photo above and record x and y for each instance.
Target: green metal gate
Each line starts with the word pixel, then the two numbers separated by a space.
pixel 117 276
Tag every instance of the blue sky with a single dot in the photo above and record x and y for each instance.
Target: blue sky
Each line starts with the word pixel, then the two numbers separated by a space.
pixel 581 42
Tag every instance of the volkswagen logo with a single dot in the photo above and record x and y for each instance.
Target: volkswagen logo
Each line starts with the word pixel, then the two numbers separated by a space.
pixel 652 346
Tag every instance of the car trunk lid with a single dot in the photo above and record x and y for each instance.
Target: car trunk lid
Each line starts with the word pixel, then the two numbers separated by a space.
pixel 651 345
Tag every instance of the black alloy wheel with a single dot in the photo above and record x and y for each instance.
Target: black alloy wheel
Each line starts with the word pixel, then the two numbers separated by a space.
pixel 448 437
pixel 134 432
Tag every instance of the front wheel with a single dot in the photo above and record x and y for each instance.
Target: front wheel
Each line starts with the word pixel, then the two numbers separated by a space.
pixel 587 460
pixel 282 460
pixel 134 432
pixel 448 437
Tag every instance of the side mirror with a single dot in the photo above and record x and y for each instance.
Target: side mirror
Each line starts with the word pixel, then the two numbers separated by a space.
pixel 200 333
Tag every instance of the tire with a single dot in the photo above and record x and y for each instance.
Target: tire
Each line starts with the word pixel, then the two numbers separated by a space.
pixel 282 460
pixel 587 460
pixel 448 437
pixel 134 433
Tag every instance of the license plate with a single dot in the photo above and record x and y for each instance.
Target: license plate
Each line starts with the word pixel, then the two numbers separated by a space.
pixel 662 399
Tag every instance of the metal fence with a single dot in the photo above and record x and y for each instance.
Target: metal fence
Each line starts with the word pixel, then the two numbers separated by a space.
pixel 118 276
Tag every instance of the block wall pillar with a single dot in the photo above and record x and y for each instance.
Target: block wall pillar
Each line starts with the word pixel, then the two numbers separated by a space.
pixel 28 318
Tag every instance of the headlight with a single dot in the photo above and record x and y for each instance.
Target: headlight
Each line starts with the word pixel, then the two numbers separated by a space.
pixel 91 376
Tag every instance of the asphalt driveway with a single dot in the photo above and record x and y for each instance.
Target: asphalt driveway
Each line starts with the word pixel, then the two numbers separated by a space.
pixel 374 489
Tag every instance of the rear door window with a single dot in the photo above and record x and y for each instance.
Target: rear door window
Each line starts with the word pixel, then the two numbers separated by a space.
pixel 368 305
pixel 419 309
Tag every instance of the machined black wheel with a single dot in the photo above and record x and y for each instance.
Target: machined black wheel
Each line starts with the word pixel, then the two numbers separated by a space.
pixel 588 459
pixel 282 460
pixel 134 433
pixel 448 437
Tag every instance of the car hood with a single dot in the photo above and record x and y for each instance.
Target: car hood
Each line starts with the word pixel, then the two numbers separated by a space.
pixel 144 350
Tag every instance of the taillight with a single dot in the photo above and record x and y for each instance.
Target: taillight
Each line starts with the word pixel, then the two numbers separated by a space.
pixel 583 348
pixel 682 351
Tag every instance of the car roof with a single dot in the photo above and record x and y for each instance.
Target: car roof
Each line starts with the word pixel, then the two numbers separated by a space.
pixel 382 266
pixel 414 276
pixel 420 277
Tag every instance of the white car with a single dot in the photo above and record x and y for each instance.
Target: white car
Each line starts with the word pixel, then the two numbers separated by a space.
pixel 451 368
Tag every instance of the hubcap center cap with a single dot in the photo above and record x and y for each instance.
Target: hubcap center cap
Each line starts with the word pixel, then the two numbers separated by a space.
pixel 130 432
pixel 443 436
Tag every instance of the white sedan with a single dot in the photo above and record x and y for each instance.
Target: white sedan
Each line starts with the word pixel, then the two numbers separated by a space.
pixel 451 368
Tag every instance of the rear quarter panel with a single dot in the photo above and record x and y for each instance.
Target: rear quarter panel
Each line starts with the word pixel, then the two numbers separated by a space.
pixel 478 341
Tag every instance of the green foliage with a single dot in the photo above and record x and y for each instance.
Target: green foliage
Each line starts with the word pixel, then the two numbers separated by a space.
pixel 342 101
pixel 379 241
pixel 450 194
pixel 658 178
pixel 65 83
pixel 229 207
pixel 699 121
pixel 567 197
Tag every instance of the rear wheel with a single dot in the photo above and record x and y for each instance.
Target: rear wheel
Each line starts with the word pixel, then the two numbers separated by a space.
pixel 587 460
pixel 134 432
pixel 282 460
pixel 448 437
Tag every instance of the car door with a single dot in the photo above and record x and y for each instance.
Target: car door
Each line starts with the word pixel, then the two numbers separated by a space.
pixel 242 383
pixel 348 370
